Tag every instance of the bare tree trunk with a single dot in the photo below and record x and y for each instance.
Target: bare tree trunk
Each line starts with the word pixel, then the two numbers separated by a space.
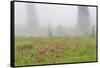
pixel 49 30
pixel 83 19
pixel 60 30
pixel 32 16
pixel 93 31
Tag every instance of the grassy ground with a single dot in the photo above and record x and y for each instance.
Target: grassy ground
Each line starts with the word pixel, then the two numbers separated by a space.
pixel 34 51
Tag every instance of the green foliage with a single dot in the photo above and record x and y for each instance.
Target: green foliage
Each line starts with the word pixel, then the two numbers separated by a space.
pixel 29 51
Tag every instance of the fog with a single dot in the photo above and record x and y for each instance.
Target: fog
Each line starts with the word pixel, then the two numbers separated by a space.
pixel 34 19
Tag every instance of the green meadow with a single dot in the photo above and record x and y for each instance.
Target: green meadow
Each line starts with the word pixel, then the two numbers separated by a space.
pixel 53 50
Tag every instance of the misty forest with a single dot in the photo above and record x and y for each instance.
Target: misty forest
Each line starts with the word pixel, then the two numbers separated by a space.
pixel 53 34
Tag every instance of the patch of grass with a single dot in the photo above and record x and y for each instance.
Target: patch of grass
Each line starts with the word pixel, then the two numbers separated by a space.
pixel 54 50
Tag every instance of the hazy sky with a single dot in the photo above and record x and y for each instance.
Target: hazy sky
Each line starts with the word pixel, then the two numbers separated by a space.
pixel 54 14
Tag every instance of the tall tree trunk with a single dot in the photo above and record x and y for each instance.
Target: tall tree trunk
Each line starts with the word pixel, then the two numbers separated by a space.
pixel 49 30
pixel 83 19
pixel 32 16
